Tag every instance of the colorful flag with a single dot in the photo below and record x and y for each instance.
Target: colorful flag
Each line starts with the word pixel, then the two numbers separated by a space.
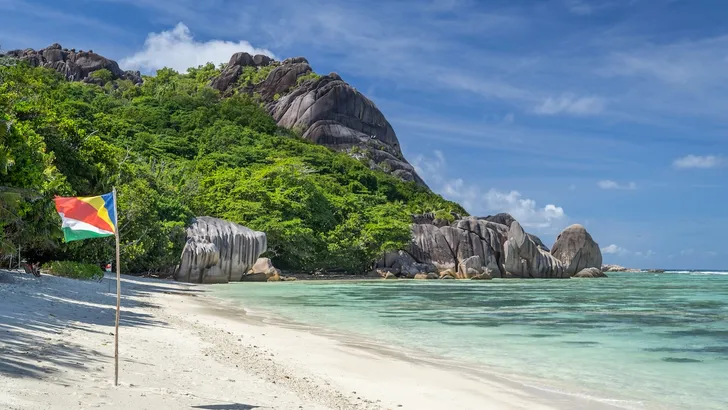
pixel 87 217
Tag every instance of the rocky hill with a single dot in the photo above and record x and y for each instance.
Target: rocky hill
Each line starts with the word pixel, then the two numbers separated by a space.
pixel 322 109
pixel 74 65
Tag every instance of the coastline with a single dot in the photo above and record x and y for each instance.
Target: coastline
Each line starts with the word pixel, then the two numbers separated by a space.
pixel 180 347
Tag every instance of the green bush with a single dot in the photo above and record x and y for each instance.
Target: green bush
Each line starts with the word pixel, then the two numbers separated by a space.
pixel 306 77
pixel 103 75
pixel 74 270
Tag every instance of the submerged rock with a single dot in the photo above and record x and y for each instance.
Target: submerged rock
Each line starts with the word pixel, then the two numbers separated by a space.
pixel 219 251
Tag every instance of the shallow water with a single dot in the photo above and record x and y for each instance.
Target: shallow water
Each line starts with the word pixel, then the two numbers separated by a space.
pixel 639 340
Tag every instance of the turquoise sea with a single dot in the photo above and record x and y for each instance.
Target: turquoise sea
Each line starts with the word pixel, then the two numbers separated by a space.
pixel 636 340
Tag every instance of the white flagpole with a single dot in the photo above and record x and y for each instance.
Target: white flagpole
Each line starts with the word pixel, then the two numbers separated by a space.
pixel 118 292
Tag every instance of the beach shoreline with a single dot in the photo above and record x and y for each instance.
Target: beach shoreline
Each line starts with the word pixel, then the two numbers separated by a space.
pixel 180 347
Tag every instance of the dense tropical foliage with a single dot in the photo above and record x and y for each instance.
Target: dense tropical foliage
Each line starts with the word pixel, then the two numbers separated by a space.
pixel 175 149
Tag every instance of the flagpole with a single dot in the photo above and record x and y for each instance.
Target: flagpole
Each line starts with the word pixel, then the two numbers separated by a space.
pixel 118 292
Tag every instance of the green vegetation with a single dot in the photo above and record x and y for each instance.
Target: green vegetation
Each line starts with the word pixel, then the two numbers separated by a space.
pixel 254 75
pixel 104 75
pixel 306 77
pixel 74 270
pixel 174 149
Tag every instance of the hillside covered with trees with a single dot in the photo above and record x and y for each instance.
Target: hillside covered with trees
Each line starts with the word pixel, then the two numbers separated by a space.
pixel 175 149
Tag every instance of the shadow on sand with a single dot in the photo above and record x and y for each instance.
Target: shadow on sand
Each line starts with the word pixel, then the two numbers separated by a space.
pixel 35 313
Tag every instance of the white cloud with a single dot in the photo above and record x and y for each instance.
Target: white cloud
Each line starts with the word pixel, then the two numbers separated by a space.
pixel 569 104
pixel 434 169
pixel 647 254
pixel 579 7
pixel 177 49
pixel 609 184
pixel 524 210
pixel 697 161
pixel 431 169
pixel 615 250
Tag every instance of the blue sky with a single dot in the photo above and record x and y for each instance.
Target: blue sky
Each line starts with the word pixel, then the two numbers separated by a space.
pixel 607 113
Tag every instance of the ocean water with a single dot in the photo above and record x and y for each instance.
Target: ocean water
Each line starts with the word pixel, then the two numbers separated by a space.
pixel 636 340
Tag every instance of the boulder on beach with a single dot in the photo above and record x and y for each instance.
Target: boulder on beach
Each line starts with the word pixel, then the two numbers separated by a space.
pixel 219 251
pixel 262 271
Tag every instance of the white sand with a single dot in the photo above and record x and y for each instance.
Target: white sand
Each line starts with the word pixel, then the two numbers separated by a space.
pixel 181 349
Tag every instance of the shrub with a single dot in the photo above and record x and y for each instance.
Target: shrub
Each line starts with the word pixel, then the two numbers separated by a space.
pixel 74 270
pixel 103 74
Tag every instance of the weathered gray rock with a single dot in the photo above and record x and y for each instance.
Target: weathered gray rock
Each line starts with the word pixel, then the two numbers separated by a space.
pixel 525 259
pixel 218 251
pixel 501 218
pixel 469 267
pixel 330 112
pixel 281 80
pixel 483 276
pixel 262 265
pixel 230 74
pixel 576 249
pixel 73 65
pixel 471 245
pixel 429 245
pixel 590 273
pixel 426 276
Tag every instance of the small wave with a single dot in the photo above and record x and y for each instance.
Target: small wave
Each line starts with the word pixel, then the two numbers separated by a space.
pixel 698 272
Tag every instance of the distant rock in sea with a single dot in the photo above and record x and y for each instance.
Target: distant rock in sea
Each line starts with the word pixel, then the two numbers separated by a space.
pixel 617 268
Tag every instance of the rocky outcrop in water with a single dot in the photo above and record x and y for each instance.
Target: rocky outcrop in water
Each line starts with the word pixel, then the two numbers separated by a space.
pixel 219 251
pixel 577 250
pixel 617 268
pixel 525 259
pixel 481 248
pixel 74 65
pixel 590 273
pixel 325 110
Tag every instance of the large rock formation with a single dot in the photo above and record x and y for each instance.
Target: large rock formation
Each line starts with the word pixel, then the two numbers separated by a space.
pixel 486 246
pixel 325 110
pixel 218 251
pixel 525 259
pixel 72 64
pixel 577 250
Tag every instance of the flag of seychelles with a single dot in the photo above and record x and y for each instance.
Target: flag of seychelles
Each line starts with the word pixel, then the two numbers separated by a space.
pixel 87 217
